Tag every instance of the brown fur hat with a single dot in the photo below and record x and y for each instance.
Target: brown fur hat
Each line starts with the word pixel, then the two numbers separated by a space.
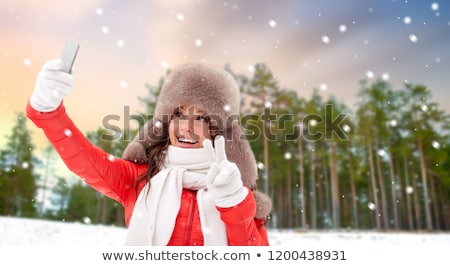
pixel 215 92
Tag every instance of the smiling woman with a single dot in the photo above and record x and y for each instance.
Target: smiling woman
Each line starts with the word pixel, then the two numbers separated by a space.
pixel 189 127
pixel 193 107
pixel 180 182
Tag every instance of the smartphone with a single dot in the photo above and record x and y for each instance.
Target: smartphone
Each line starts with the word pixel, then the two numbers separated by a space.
pixel 68 56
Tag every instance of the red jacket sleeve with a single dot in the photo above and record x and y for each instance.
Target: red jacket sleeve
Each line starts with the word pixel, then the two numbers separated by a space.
pixel 242 228
pixel 113 177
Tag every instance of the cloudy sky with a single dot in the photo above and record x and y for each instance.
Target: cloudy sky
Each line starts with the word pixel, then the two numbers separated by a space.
pixel 329 45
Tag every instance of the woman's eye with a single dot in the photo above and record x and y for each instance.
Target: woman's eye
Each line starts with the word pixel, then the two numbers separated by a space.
pixel 202 119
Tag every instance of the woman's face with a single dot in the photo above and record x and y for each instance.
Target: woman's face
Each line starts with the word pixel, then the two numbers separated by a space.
pixel 188 128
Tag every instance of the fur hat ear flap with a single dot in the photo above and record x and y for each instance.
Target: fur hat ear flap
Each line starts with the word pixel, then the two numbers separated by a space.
pixel 263 205
pixel 135 152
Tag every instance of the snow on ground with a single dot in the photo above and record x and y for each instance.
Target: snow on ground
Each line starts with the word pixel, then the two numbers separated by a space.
pixel 46 243
pixel 22 231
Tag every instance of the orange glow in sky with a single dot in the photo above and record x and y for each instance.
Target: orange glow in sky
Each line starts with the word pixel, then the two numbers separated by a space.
pixel 330 45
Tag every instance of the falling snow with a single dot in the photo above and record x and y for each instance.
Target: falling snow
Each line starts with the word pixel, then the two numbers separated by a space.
pixel 407 20
pixel 180 16
pixel 25 165
pixel 123 84
pixel 393 123
pixel 27 61
pixel 111 157
pixel 413 38
pixel 198 43
pixel 67 132
pixel 434 6
pixel 105 30
pixel 346 128
pixel 99 11
pixel 120 43
pixel 436 144
pixel 164 64
pixel 370 74
pixel 272 23
pixel 158 124
pixel 325 39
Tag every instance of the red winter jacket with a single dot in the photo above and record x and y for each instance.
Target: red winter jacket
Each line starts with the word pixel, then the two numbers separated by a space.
pixel 116 178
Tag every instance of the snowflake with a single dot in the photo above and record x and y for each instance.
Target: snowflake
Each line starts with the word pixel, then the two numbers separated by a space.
pixel 198 43
pixel 67 132
pixel 27 61
pixel 434 6
pixel 407 20
pixel 99 11
pixel 413 38
pixel 164 64
pixel 158 124
pixel 105 30
pixel 123 84
pixel 272 23
pixel 120 43
pixel 180 17
pixel 325 39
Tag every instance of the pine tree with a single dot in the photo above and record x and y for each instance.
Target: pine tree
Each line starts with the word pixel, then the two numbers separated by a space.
pixel 59 199
pixel 17 179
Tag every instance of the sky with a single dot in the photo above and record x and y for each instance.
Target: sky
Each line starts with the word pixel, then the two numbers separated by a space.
pixel 63 243
pixel 327 45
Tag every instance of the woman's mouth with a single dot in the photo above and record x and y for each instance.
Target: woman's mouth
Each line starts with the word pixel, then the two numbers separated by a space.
pixel 186 141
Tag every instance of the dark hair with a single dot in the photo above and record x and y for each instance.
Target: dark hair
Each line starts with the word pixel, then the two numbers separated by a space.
pixel 156 152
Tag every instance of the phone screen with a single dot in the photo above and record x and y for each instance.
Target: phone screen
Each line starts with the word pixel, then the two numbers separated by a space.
pixel 69 54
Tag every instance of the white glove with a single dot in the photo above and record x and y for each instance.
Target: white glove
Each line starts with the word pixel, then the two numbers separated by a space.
pixel 52 85
pixel 223 178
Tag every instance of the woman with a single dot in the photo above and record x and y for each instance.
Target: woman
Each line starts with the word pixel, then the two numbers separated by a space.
pixel 188 177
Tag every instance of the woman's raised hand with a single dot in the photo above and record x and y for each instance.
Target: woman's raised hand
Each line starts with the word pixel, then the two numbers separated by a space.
pixel 223 178
pixel 52 85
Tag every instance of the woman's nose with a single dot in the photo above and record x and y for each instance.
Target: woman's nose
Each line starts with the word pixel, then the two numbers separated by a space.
pixel 184 125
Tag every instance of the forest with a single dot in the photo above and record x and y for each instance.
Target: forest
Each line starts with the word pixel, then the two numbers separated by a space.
pixel 383 164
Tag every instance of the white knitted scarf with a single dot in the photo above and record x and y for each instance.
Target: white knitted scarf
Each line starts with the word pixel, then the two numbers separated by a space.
pixel 153 218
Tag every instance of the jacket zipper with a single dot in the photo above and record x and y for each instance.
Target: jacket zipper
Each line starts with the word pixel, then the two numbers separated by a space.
pixel 187 235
